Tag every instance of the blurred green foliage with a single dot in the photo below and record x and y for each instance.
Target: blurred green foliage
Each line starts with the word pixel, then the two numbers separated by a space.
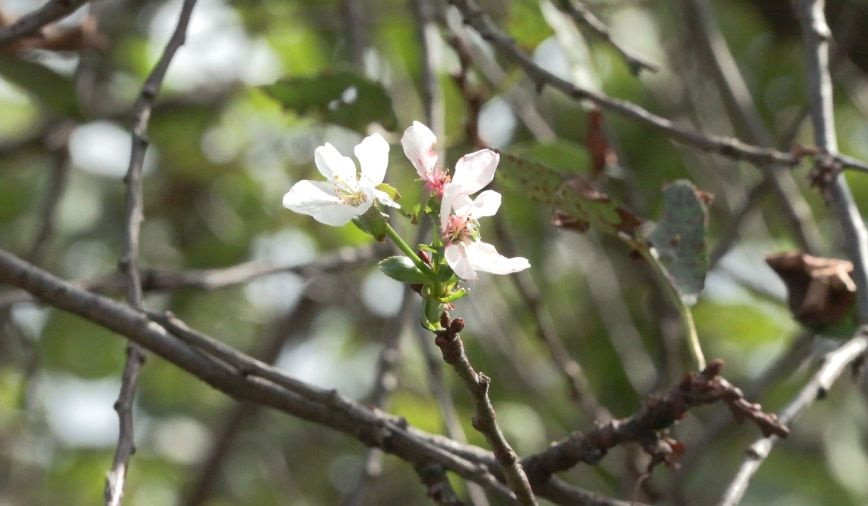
pixel 222 155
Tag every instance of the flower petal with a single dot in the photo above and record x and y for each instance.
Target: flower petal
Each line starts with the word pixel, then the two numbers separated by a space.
pixel 484 257
pixel 319 199
pixel 486 204
pixel 454 201
pixel 457 259
pixel 334 166
pixel 373 155
pixel 475 170
pixel 418 142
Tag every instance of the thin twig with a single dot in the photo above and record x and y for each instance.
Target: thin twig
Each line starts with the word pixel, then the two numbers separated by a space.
pixel 741 105
pixel 163 280
pixel 34 21
pixel 582 15
pixel 729 147
pixel 129 263
pixel 577 382
pixel 834 364
pixel 449 342
pixel 58 142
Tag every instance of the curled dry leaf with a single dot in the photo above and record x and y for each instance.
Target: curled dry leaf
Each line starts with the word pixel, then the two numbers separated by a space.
pixel 602 154
pixel 820 291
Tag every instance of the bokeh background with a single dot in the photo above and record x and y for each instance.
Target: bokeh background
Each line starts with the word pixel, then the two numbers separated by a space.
pixel 223 153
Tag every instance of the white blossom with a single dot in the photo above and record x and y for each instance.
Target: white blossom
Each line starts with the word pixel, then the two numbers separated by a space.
pixel 346 192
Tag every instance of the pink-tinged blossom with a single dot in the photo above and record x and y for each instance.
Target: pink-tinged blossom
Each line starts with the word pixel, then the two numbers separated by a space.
pixel 418 142
pixel 346 193
pixel 459 212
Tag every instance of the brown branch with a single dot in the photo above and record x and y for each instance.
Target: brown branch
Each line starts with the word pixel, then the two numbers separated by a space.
pixel 449 342
pixel 648 426
pixel 129 263
pixel 33 22
pixel 729 147
pixel 249 380
pixel 582 15
pixel 57 140
pixel 834 364
pixel 239 414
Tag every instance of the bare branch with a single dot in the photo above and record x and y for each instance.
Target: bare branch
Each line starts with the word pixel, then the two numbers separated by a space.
pixel 834 364
pixel 729 147
pixel 582 15
pixel 439 489
pixel 449 342
pixel 33 22
pixel 129 263
pixel 647 425
pixel 736 93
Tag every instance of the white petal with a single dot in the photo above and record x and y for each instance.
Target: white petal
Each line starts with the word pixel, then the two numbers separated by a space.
pixel 385 199
pixel 484 257
pixel 373 155
pixel 335 166
pixel 486 204
pixel 318 199
pixel 457 259
pixel 418 142
pixel 454 198
pixel 475 170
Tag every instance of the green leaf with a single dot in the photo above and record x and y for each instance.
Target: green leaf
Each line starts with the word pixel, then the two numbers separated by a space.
pixel 679 239
pixel 432 310
pixel 401 268
pixel 340 97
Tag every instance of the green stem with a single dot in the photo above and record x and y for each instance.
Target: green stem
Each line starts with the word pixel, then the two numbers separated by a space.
pixel 407 250
pixel 684 313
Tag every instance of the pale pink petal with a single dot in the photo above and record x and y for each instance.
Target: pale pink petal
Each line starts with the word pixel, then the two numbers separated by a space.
pixel 484 257
pixel 373 155
pixel 335 166
pixel 418 142
pixel 486 204
pixel 457 259
pixel 475 170
pixel 319 200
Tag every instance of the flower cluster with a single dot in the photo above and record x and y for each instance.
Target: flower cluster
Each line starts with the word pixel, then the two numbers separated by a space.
pixel 355 195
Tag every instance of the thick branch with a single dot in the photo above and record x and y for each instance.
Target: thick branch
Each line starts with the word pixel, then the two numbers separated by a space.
pixel 249 380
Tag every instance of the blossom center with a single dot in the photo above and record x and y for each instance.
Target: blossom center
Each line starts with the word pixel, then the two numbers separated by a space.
pixel 437 181
pixel 459 228
pixel 349 194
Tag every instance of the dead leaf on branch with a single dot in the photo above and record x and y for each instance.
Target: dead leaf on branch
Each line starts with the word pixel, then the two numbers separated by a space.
pixel 820 291
pixel 602 154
